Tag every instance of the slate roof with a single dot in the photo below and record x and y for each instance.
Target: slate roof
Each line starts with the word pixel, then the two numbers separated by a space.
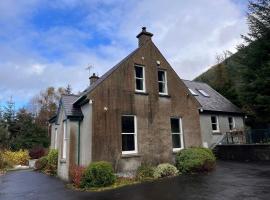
pixel 215 102
pixel 70 110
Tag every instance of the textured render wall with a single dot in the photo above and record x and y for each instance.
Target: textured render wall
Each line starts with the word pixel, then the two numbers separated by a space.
pixel 208 137
pixel 62 170
pixel 153 112
pixel 86 135
pixel 53 127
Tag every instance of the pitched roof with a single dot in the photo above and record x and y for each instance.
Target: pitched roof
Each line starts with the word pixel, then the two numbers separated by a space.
pixel 103 77
pixel 215 102
pixel 70 110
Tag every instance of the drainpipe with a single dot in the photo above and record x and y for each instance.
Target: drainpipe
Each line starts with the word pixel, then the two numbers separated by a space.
pixel 79 141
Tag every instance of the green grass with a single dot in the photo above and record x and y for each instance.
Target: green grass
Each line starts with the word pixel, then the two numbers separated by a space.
pixel 120 182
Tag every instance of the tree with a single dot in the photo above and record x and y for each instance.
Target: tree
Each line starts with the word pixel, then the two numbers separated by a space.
pixel 45 104
pixel 68 89
pixel 254 56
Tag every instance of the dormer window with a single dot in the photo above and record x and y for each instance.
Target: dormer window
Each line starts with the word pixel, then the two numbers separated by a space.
pixel 139 79
pixel 162 82
pixel 203 93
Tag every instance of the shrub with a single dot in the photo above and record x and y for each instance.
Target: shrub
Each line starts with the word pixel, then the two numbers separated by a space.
pixel 51 167
pixel 165 170
pixel 145 172
pixel 20 157
pixel 98 174
pixel 195 159
pixel 37 152
pixel 77 173
pixel 41 163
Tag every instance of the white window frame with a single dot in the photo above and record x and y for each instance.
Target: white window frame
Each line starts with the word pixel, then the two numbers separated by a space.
pixel 65 140
pixel 164 82
pixel 217 124
pixel 181 134
pixel 135 136
pixel 233 123
pixel 55 138
pixel 143 78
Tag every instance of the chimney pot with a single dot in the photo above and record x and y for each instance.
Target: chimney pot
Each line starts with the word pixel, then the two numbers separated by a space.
pixel 93 78
pixel 144 36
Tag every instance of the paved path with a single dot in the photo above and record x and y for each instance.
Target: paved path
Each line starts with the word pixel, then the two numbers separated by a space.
pixel 231 180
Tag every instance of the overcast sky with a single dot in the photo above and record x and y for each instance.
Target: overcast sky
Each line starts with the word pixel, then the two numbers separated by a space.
pixel 50 43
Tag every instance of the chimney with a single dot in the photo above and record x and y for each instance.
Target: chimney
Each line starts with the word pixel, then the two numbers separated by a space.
pixel 144 36
pixel 93 78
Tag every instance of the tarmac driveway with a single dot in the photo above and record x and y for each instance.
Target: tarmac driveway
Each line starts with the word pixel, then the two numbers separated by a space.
pixel 231 180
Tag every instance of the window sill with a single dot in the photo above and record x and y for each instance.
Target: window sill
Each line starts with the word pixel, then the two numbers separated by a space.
pixel 164 95
pixel 63 160
pixel 216 133
pixel 141 93
pixel 131 155
pixel 175 151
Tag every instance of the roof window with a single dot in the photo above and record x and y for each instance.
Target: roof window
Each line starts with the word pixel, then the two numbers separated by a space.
pixel 193 92
pixel 203 93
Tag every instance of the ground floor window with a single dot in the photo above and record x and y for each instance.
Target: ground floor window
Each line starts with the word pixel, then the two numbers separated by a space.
pixel 231 123
pixel 214 122
pixel 129 134
pixel 65 139
pixel 55 139
pixel 177 134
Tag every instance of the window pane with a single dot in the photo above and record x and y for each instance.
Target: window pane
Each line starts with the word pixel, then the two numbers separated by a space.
pixel 213 119
pixel 161 87
pixel 128 124
pixel 175 126
pixel 139 72
pixel 176 141
pixel 128 143
pixel 214 127
pixel 161 76
pixel 139 84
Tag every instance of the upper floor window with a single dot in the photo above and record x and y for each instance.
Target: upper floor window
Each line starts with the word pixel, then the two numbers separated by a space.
pixel 129 134
pixel 215 125
pixel 177 133
pixel 162 82
pixel 139 79
pixel 231 123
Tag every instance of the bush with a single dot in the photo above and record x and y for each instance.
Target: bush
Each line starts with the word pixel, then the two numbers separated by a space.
pixel 3 163
pixel 77 173
pixel 41 163
pixel 98 174
pixel 20 157
pixel 195 159
pixel 145 172
pixel 165 170
pixel 51 167
pixel 37 152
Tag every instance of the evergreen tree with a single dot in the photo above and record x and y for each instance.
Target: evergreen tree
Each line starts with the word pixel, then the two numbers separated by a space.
pixel 254 56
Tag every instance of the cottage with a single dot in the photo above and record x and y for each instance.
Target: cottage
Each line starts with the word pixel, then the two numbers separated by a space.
pixel 140 111
pixel 218 115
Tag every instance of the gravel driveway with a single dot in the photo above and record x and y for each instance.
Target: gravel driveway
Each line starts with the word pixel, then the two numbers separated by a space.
pixel 231 180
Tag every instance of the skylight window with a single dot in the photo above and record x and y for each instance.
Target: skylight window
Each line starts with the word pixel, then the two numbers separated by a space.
pixel 204 93
pixel 193 92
